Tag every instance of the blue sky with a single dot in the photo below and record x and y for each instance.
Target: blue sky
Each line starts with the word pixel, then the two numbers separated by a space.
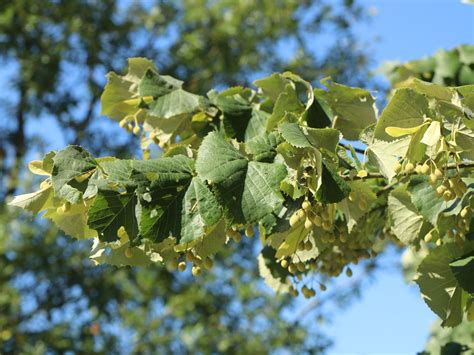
pixel 391 318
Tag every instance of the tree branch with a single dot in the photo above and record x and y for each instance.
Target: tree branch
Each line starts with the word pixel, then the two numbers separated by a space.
pixel 463 165
pixel 18 142
pixel 357 150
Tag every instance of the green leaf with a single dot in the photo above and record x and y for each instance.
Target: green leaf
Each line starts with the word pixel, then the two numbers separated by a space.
pixel 272 273
pixel 212 242
pixel 317 115
pixel 175 103
pixel 425 199
pixel 119 89
pixel 431 90
pixel 304 137
pixel 200 211
pixel 353 108
pixel 257 124
pixel 248 190
pixel 438 285
pixel 333 188
pixel 406 221
pixel 352 212
pixel 463 270
pixel 73 222
pixel 237 112
pixel 405 109
pixel 263 147
pixel 34 202
pixel 70 165
pixel 384 155
pixel 163 201
pixel 272 86
pixel 447 64
pixel 287 102
pixel 294 135
pixel 110 211
pixel 153 84
pixel 102 253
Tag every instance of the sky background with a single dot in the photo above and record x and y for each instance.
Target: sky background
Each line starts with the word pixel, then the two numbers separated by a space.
pixel 391 317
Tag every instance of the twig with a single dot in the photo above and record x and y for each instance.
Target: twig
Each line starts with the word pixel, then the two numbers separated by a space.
pixel 452 166
pixel 357 150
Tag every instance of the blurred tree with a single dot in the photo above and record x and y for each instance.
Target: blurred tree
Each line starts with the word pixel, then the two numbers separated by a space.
pixel 54 58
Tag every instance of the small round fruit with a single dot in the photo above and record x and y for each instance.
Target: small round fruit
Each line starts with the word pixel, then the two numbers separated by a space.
pixel 317 221
pixel 197 260
pixel 348 272
pixel 136 130
pixel 129 252
pixel 428 237
pixel 438 173
pixel 237 237
pixel 439 242
pixel 308 245
pixel 284 263
pixel 322 287
pixel 300 267
pixel 308 224
pixel 418 169
pixel 425 168
pixel 301 246
pixel 292 268
pixel 196 270
pixel 173 264
pixel 249 231
pixel 409 167
pixel 327 226
pixel 397 168
pixel 440 190
pixel 362 204
pixel 208 263
pixel 306 205
pixel 433 179
pixel 182 266
pixel 189 256
pixel 447 195
pixel 294 219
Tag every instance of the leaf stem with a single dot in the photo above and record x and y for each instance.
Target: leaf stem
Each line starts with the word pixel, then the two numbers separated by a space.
pixel 357 150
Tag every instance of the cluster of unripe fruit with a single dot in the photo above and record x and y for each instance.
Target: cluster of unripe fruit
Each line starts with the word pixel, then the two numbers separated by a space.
pixel 459 230
pixel 234 234
pixel 319 215
pixel 305 290
pixel 132 128
pixel 197 263
pixel 451 187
